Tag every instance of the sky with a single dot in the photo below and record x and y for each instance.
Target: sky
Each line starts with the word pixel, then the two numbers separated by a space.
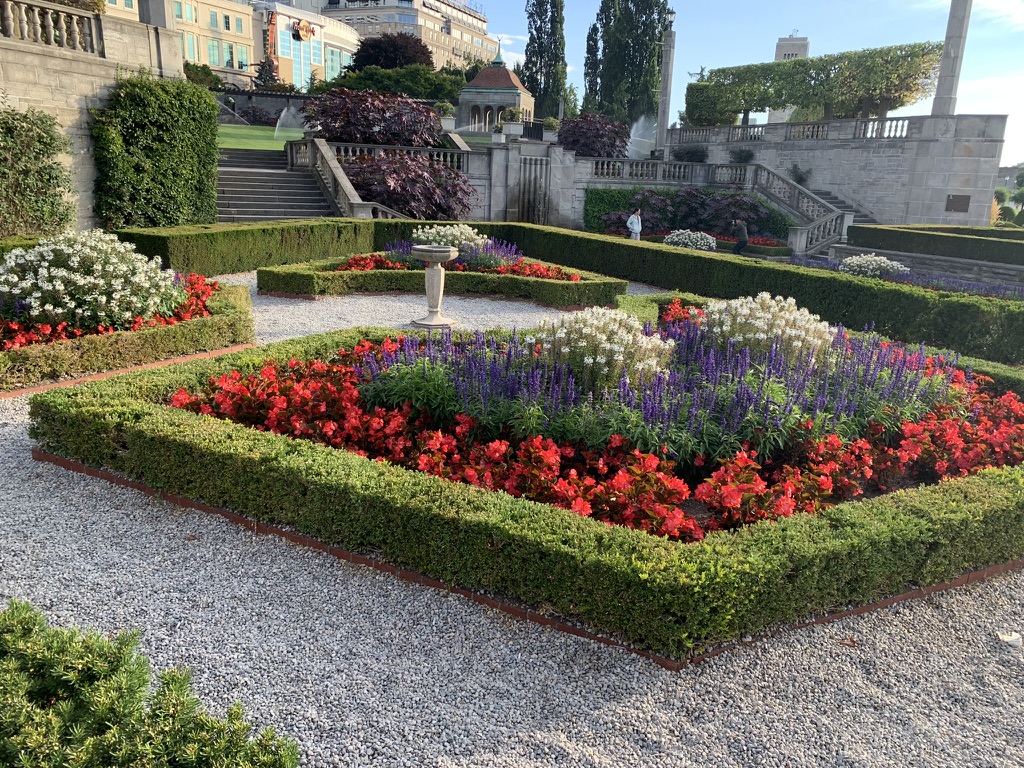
pixel 745 32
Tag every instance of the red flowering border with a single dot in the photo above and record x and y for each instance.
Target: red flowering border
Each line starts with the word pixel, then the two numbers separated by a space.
pixel 320 402
pixel 521 268
pixel 17 335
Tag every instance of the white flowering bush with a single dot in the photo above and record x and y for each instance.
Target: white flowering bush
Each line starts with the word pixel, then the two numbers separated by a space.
pixel 454 235
pixel 870 265
pixel 87 279
pixel 685 238
pixel 757 321
pixel 599 344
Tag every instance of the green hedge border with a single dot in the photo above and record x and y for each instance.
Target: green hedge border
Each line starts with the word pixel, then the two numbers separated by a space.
pixel 672 599
pixel 999 246
pixel 230 323
pixel 989 328
pixel 222 249
pixel 321 278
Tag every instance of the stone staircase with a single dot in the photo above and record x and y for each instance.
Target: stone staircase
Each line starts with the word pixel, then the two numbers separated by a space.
pixel 256 185
pixel 859 216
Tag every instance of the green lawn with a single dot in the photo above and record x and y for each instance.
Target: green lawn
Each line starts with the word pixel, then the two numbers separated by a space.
pixel 255 136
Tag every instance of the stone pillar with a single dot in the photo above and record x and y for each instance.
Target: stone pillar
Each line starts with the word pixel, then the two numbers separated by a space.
pixel 668 50
pixel 952 57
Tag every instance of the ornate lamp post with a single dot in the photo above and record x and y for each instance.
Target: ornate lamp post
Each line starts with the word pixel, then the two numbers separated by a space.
pixel 668 48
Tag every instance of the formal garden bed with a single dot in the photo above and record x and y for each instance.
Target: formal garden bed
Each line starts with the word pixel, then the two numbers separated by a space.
pixel 484 266
pixel 640 529
pixel 85 303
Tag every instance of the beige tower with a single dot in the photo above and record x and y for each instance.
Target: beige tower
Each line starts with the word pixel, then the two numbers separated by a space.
pixel 786 48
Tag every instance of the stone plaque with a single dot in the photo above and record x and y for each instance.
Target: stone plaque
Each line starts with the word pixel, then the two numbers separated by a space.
pixel 958 203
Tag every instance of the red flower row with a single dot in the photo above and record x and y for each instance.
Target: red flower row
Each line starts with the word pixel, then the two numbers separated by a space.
pixel 521 268
pixel 16 334
pixel 770 242
pixel 320 402
pixel 676 312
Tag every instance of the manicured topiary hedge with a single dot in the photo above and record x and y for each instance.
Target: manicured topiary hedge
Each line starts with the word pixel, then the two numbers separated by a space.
pixel 229 323
pixel 321 278
pixel 1003 246
pixel 671 598
pixel 84 699
pixel 221 249
pixel 18 241
pixel 989 328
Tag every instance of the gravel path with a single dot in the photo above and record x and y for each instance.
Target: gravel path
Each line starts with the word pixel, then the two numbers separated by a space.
pixel 365 670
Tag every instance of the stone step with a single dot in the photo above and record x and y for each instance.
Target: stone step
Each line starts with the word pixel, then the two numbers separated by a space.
pixel 320 208
pixel 228 217
pixel 256 189
pixel 270 196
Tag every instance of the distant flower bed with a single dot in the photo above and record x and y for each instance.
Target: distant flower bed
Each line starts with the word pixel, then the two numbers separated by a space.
pixel 88 283
pixel 675 431
pixel 991 290
pixel 768 242
pixel 477 253
pixel 684 238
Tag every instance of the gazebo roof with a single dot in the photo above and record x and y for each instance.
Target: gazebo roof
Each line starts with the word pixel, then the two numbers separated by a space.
pixel 497 77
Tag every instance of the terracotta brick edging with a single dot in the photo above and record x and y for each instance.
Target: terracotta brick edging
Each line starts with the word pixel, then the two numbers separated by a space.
pixel 107 374
pixel 508 608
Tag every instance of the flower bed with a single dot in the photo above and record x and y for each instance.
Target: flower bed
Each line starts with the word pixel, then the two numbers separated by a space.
pixel 671 597
pixel 369 273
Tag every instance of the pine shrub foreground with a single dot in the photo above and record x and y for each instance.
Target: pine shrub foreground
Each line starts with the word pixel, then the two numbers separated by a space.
pixel 72 698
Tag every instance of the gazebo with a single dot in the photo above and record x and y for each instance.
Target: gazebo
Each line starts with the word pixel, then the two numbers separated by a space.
pixel 493 90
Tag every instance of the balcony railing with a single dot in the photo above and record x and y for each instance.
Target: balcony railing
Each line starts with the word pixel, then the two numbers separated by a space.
pixel 52 25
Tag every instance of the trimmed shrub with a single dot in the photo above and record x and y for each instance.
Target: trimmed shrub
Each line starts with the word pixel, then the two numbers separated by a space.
pixel 1004 246
pixel 411 184
pixel 82 698
pixel 221 249
pixel 697 241
pixel 741 156
pixel 35 187
pixel 321 278
pixel 591 135
pixel 155 146
pixel 672 598
pixel 870 265
pixel 202 75
pixel 229 323
pixel 369 117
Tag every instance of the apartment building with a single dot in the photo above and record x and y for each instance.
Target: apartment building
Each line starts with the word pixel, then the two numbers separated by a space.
pixel 302 43
pixel 453 31
pixel 218 33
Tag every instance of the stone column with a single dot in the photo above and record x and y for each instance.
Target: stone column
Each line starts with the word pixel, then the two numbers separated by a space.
pixel 668 50
pixel 952 57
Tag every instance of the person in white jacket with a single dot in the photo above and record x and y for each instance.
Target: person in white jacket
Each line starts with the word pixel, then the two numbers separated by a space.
pixel 634 225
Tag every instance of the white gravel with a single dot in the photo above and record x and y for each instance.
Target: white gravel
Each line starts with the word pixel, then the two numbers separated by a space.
pixel 366 670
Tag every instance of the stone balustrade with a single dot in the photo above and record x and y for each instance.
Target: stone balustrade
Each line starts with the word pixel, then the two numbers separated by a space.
pixel 455 159
pixel 53 25
pixel 873 128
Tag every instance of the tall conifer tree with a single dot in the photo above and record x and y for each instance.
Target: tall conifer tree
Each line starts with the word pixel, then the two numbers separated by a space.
pixel 544 68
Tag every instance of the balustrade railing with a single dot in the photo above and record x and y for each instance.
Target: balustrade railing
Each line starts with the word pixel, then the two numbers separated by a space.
pixel 889 128
pixel 806 131
pixel 321 158
pixel 689 135
pixel 457 160
pixel 648 170
pixel 746 133
pixel 48 24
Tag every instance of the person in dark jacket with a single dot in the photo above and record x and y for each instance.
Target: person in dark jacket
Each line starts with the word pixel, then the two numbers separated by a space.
pixel 739 230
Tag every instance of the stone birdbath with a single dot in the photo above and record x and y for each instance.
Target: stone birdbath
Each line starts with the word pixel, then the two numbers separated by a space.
pixel 435 256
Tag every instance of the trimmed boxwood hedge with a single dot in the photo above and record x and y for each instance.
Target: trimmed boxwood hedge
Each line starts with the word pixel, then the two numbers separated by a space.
pixel 321 278
pixel 989 328
pixel 229 323
pixel 8 244
pixel 222 249
pixel 671 598
pixel 1001 246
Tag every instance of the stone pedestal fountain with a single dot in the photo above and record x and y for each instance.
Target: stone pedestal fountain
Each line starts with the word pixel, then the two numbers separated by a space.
pixel 435 256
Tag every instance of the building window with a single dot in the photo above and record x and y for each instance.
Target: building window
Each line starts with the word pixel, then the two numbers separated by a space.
pixel 284 42
pixel 111 2
pixel 129 4
pixel 316 50
pixel 407 18
pixel 229 55
pixel 227 23
pixel 193 52
pixel 177 9
pixel 213 52
pixel 243 57
pixel 190 13
pixel 238 25
pixel 405 3
pixel 213 20
pixel 332 66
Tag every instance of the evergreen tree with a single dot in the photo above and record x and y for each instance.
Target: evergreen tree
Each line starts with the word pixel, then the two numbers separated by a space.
pixel 265 74
pixel 544 69
pixel 592 66
pixel 623 60
pixel 390 51
pixel 572 102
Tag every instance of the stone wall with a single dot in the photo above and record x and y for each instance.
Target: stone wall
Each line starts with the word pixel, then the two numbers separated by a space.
pixel 68 83
pixel 899 170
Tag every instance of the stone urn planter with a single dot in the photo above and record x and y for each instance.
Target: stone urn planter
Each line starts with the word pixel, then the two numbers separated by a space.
pixel 448 123
pixel 515 130
pixel 497 138
pixel 435 256
pixel 551 137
